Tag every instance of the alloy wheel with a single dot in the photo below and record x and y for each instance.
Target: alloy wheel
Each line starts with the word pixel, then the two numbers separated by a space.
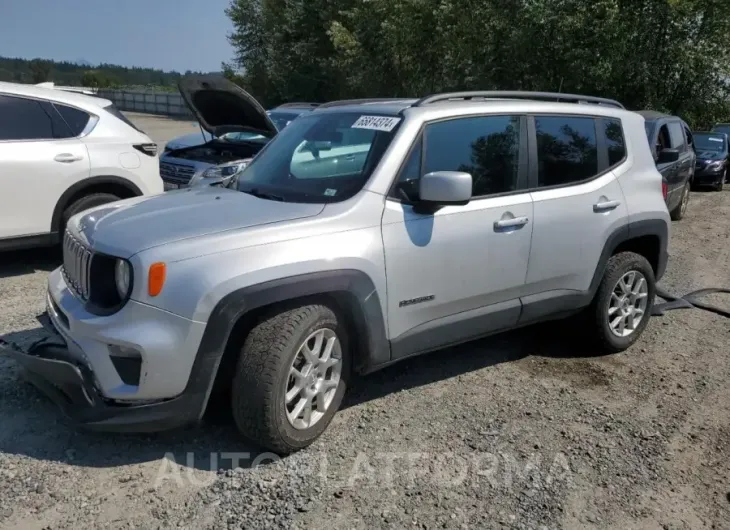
pixel 628 302
pixel 314 377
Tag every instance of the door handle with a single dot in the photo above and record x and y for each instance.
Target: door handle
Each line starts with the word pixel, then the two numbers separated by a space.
pixel 605 206
pixel 516 222
pixel 67 157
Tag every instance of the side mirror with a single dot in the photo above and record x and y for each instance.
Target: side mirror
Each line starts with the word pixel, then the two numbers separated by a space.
pixel 443 188
pixel 667 156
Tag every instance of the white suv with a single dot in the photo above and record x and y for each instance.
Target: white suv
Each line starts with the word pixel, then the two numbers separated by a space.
pixel 62 153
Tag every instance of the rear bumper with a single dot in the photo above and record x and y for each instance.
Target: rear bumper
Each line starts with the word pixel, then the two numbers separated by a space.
pixel 71 385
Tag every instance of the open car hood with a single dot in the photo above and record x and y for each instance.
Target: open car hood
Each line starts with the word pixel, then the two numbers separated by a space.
pixel 222 107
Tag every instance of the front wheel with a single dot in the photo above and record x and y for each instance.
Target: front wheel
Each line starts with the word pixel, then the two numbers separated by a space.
pixel 720 185
pixel 291 377
pixel 622 306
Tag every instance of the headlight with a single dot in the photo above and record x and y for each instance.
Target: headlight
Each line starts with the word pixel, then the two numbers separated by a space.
pixel 224 173
pixel 716 165
pixel 122 278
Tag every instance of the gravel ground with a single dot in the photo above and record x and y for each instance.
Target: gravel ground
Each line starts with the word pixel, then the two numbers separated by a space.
pixel 523 430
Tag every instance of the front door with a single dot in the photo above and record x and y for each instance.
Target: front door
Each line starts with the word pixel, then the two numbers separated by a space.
pixel 458 273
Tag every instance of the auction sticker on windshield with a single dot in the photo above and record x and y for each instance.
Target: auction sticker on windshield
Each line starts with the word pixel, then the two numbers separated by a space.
pixel 376 123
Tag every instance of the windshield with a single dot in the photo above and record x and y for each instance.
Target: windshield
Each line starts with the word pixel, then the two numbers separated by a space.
pixel 709 142
pixel 320 157
pixel 281 119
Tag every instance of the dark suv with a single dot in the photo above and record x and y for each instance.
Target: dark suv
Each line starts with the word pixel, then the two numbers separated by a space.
pixel 712 158
pixel 672 145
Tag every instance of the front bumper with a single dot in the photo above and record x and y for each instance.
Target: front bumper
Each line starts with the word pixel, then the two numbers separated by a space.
pixel 706 176
pixel 71 384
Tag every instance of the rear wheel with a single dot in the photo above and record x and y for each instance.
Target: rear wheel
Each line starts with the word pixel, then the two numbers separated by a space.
pixel 291 377
pixel 681 208
pixel 621 308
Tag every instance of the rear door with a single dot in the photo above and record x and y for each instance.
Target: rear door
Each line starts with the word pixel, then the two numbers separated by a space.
pixel 38 158
pixel 578 204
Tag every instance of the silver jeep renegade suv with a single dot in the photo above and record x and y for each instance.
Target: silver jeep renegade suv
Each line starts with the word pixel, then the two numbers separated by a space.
pixel 366 232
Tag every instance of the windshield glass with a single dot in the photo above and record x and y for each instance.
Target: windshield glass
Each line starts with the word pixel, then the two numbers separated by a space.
pixel 709 142
pixel 281 119
pixel 320 157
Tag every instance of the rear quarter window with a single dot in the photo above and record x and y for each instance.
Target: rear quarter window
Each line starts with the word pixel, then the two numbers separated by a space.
pixel 75 119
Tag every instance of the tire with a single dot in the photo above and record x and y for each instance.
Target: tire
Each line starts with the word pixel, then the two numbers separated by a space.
pixel 681 209
pixel 262 377
pixel 84 203
pixel 721 185
pixel 599 318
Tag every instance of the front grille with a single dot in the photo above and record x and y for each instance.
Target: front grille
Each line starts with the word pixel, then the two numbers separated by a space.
pixel 177 173
pixel 77 266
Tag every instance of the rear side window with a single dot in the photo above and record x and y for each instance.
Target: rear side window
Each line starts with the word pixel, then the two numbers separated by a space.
pixel 614 138
pixel 113 110
pixel 29 119
pixel 75 119
pixel 567 150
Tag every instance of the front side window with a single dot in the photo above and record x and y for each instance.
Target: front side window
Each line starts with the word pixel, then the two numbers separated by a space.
pixel 566 149
pixel 676 136
pixel 29 119
pixel 486 147
pixel 320 157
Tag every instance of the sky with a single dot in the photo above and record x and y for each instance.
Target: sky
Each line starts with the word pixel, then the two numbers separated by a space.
pixel 166 34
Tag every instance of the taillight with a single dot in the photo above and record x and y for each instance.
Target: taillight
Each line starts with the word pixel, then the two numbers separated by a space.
pixel 148 149
pixel 665 190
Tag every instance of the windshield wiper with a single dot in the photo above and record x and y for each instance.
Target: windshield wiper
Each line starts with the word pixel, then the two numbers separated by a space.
pixel 263 195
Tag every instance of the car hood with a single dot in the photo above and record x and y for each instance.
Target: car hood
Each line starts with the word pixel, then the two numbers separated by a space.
pixel 127 227
pixel 221 106
pixel 706 156
pixel 188 140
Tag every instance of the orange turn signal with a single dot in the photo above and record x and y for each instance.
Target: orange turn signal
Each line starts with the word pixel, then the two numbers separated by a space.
pixel 156 279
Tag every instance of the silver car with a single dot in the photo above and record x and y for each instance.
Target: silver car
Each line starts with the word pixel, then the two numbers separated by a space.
pixel 364 233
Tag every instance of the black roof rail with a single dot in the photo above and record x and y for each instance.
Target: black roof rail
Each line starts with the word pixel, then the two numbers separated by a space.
pixel 297 104
pixel 342 102
pixel 515 94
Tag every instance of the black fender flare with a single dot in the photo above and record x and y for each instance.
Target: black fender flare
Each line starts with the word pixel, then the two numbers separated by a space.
pixel 75 188
pixel 367 317
pixel 648 227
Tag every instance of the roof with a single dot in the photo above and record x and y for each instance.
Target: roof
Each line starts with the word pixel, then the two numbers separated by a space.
pixel 53 94
pixel 444 109
pixel 651 115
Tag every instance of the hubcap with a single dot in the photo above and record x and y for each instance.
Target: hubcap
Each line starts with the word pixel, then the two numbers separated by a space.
pixel 627 306
pixel 313 379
